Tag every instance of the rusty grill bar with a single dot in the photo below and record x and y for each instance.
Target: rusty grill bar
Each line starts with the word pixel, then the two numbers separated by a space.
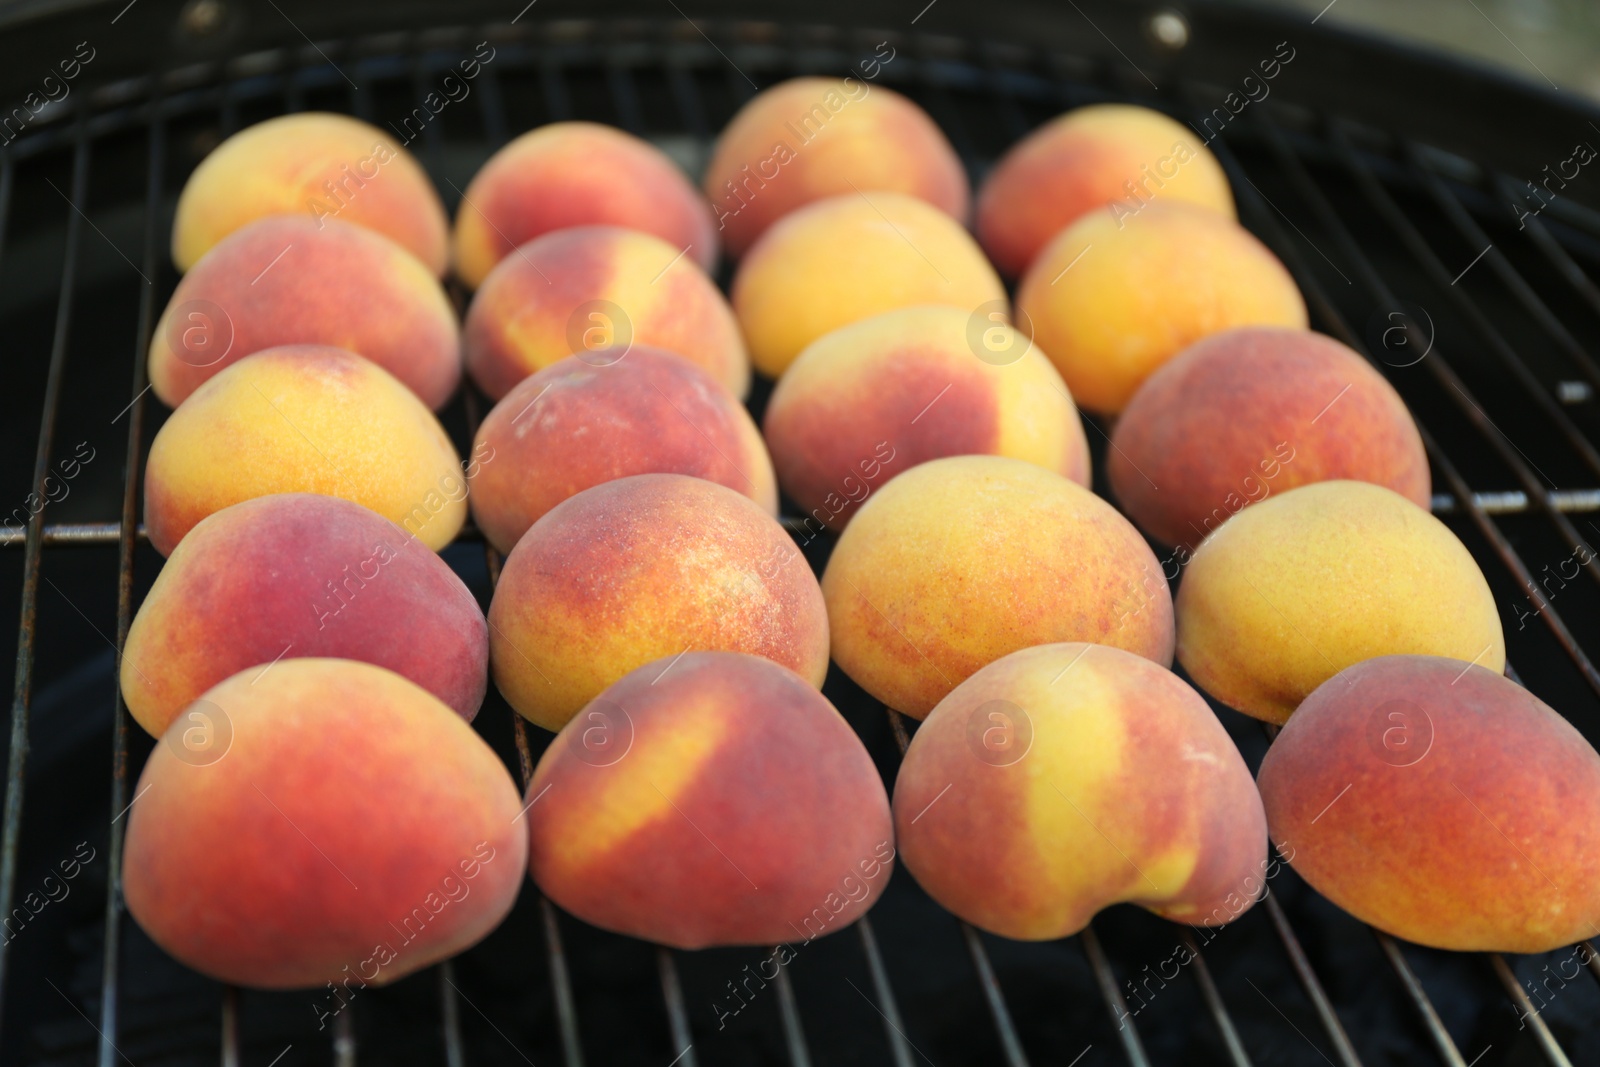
pixel 1312 165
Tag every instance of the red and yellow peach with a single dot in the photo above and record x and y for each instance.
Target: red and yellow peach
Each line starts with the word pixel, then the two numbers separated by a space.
pixel 327 822
pixel 319 165
pixel 304 419
pixel 909 386
pixel 315 576
pixel 594 291
pixel 577 174
pixel 1104 157
pixel 810 138
pixel 1079 776
pixel 710 799
pixel 1111 299
pixel 644 567
pixel 960 561
pixel 287 280
pixel 1249 412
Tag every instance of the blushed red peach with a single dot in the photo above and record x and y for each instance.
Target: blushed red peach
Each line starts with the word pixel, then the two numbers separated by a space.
pixel 593 292
pixel 1249 412
pixel 1110 157
pixel 319 165
pixel 287 280
pixel 872 399
pixel 1110 300
pixel 960 561
pixel 809 138
pixel 577 174
pixel 644 567
pixel 304 419
pixel 1442 803
pixel 1062 779
pixel 847 258
pixel 315 576
pixel 575 425
pixel 328 822
pixel 712 799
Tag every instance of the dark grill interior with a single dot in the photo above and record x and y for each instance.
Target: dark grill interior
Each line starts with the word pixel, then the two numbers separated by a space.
pixel 1387 239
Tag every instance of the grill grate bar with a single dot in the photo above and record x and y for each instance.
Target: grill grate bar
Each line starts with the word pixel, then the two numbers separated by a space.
pixel 1213 998
pixel 677 1016
pixel 794 1037
pixel 894 1027
pixel 1541 1033
pixel 1121 1018
pixel 344 1038
pixel 1442 1041
pixel 1450 204
pixel 230 1026
pixel 1342 1048
pixel 22 693
pixel 1559 257
pixel 1010 1042
pixel 110 976
pixel 454 1055
pixel 1481 326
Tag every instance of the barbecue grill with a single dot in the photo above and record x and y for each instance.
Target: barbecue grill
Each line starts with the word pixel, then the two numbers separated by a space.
pixel 1394 184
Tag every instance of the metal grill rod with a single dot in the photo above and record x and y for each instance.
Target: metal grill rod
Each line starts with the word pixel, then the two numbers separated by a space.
pixel 22 691
pixel 1121 1018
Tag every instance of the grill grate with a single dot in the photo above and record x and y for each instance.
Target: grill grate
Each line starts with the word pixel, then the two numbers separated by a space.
pixel 1516 323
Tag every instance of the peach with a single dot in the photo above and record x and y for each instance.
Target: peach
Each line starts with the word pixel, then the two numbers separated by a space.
pixel 574 425
pixel 962 560
pixel 1442 803
pixel 1291 591
pixel 1248 412
pixel 577 174
pixel 288 280
pixel 710 799
pixel 325 822
pixel 809 138
pixel 304 419
pixel 1111 299
pixel 315 576
pixel 847 258
pixel 594 291
pixel 907 386
pixel 1112 157
pixel 319 165
pixel 1079 776
pixel 643 567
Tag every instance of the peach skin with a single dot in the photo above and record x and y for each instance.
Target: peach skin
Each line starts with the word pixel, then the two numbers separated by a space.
pixel 847 258
pixel 317 577
pixel 318 165
pixel 1079 776
pixel 287 280
pixel 1441 803
pixel 1110 157
pixel 325 822
pixel 809 138
pixel 1293 590
pixel 960 561
pixel 1246 413
pixel 1110 300
pixel 304 419
pixel 577 174
pixel 574 425
pixel 640 568
pixel 707 799
pixel 908 386
pixel 594 292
